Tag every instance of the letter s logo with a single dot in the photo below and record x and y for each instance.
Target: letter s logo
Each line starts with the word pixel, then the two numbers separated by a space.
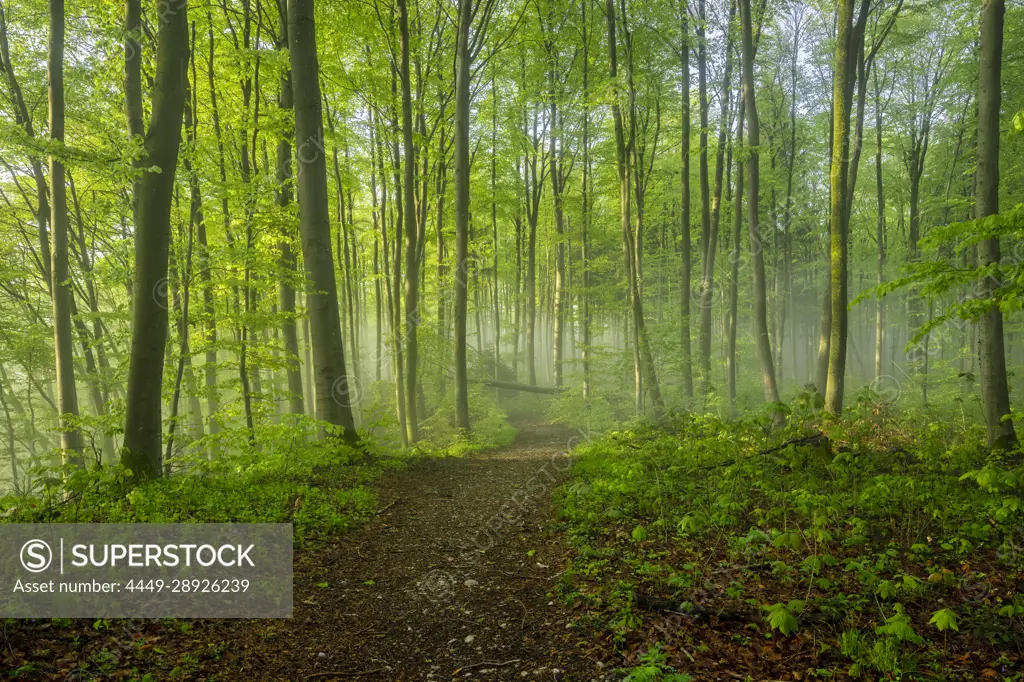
pixel 36 556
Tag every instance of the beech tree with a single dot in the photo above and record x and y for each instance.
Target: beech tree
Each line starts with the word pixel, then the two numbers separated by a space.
pixel 331 388
pixel 155 192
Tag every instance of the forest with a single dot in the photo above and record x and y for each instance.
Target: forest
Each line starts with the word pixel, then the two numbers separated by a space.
pixel 643 340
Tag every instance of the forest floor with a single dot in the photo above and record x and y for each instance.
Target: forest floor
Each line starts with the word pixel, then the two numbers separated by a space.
pixel 452 577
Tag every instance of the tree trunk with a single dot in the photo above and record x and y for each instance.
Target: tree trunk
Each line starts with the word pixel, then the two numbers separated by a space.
pixel 879 235
pixel 181 295
pixel 494 226
pixel 585 191
pixel 412 277
pixel 333 395
pixel 763 340
pixel 684 213
pixel 787 248
pixel 838 215
pixel 286 259
pixel 462 113
pixel 734 260
pixel 142 437
pixel 11 452
pixel 71 439
pixel 991 353
pixel 397 287
pixel 707 284
pixel 558 303
pixel 196 223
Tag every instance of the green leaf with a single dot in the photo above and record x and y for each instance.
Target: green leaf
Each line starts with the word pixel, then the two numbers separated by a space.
pixel 782 619
pixel 639 534
pixel 898 626
pixel 944 619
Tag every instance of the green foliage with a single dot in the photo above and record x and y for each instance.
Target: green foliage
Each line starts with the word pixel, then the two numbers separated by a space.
pixel 867 527
pixel 782 617
pixel 654 667
pixel 944 619
pixel 319 485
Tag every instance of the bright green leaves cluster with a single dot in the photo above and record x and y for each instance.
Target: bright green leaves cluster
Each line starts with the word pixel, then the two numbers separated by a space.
pixel 783 617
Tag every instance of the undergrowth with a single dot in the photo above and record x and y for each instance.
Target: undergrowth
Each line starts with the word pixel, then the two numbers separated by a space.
pixel 294 475
pixel 876 545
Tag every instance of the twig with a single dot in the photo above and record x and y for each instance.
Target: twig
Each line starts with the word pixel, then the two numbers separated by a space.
pixel 338 673
pixel 813 439
pixel 524 576
pixel 483 664
pixel 522 625
pixel 393 503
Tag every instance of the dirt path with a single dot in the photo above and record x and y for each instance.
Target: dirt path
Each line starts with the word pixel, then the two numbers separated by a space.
pixel 451 579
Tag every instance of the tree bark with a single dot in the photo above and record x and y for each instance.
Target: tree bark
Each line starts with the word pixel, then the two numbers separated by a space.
pixel 879 234
pixel 763 340
pixel 462 113
pixel 333 395
pixel 734 261
pixel 843 73
pixel 710 248
pixel 558 303
pixel 991 352
pixel 684 212
pixel 142 437
pixel 72 442
pixel 412 277
pixel 586 198
pixel 286 258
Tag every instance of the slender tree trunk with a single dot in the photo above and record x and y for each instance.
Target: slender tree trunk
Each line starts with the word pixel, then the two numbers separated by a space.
pixel 648 371
pixel 397 286
pixel 412 277
pixel 879 235
pixel 209 305
pixel 333 395
pixel 734 261
pixel 462 113
pixel 196 221
pixel 711 246
pixel 530 172
pixel 441 188
pixel 181 303
pixel 838 216
pixel 787 248
pixel 71 439
pixel 494 226
pixel 684 213
pixel 286 259
pixel 557 311
pixel 585 191
pixel 991 352
pixel 11 452
pixel 702 89
pixel 763 340
pixel 624 211
pixel 133 41
pixel 142 437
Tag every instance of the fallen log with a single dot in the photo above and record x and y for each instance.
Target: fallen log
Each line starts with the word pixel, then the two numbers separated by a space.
pixel 510 386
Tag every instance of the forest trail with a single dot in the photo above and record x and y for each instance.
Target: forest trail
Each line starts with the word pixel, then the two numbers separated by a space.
pixel 450 579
